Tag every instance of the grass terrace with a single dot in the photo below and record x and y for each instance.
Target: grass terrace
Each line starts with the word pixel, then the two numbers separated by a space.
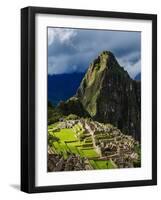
pixel 71 137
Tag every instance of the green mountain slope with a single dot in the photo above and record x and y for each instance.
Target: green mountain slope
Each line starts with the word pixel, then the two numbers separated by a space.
pixel 108 95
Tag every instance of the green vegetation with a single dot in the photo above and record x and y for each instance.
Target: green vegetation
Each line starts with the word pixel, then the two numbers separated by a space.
pixel 65 134
pixel 54 114
pixel 66 141
pixel 72 106
pixel 107 94
pixel 91 152
pixel 97 66
pixel 102 164
pixel 137 149
pixel 95 143
pixel 72 117
pixel 52 139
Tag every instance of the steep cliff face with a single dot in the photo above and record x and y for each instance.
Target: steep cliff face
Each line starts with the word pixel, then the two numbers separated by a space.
pixel 109 95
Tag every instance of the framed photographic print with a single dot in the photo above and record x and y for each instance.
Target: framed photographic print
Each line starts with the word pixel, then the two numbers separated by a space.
pixel 88 99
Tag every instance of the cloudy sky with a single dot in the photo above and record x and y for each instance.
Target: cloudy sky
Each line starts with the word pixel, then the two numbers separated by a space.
pixel 72 50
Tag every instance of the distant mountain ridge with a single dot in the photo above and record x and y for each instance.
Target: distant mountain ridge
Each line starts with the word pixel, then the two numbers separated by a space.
pixel 63 86
pixel 108 94
pixel 138 77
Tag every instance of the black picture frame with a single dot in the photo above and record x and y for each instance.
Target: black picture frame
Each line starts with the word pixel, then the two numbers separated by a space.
pixel 28 98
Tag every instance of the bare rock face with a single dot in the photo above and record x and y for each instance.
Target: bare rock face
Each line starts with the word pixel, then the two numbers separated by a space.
pixel 109 95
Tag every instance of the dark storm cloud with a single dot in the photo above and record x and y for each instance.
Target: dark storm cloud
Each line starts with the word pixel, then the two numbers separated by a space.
pixel 72 50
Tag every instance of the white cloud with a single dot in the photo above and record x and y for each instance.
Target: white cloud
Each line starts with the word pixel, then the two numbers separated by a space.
pixel 62 35
pixel 51 36
pixel 72 50
pixel 132 69
pixel 135 69
pixel 72 62
pixel 58 64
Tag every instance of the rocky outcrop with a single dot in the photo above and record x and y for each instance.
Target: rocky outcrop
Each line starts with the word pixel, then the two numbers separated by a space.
pixel 59 163
pixel 72 106
pixel 109 95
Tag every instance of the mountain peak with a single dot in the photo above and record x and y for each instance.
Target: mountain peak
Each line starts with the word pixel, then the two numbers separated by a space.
pixel 106 53
pixel 105 60
pixel 109 95
pixel 103 64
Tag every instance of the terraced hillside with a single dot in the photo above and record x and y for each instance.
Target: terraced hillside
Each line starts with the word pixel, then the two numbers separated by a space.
pixel 84 144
